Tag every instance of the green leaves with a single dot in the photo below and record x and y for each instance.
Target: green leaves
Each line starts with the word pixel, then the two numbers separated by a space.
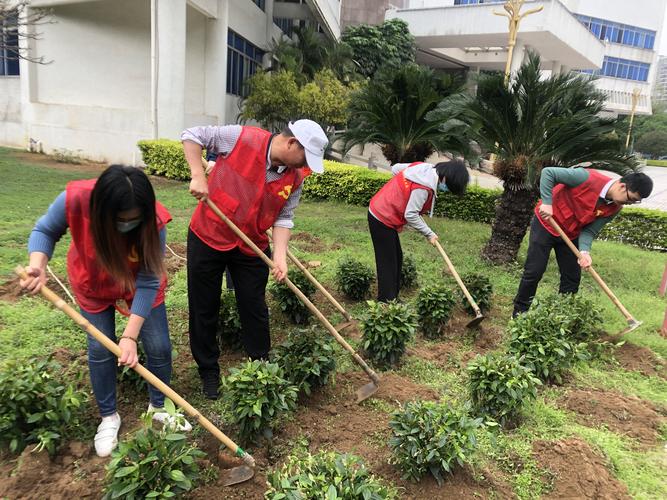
pixel 434 308
pixel 288 302
pixel 354 278
pixel 479 286
pixel 229 322
pixel 409 275
pixel 165 157
pixel 386 330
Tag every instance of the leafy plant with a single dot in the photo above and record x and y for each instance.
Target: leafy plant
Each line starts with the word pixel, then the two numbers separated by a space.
pixel 229 322
pixel 129 378
pixel 258 394
pixel 354 278
pixel 386 330
pixel 578 315
pixel 329 475
pixel 37 406
pixel 288 302
pixel 434 308
pixel 500 385
pixel 154 463
pixel 307 358
pixel 479 286
pixel 325 100
pixel 409 275
pixel 272 100
pixel 431 437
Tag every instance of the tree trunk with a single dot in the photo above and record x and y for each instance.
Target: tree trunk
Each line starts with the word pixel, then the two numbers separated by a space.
pixel 513 214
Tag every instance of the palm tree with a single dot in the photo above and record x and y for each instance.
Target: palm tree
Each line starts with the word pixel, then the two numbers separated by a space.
pixel 530 124
pixel 391 111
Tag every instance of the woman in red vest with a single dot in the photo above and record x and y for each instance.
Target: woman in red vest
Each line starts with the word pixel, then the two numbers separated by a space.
pixel 116 254
pixel 408 195
pixel 581 201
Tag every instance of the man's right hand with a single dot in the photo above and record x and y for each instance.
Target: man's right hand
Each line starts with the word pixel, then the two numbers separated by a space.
pixel 546 211
pixel 36 279
pixel 199 187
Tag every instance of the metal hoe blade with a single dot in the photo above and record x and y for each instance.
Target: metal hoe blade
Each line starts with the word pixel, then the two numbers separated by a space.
pixel 237 475
pixel 366 391
pixel 475 321
pixel 633 324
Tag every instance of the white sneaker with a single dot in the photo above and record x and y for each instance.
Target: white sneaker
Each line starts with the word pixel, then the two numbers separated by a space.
pixel 178 424
pixel 106 438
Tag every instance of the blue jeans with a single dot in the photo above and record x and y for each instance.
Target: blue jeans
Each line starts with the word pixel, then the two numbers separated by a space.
pixel 103 365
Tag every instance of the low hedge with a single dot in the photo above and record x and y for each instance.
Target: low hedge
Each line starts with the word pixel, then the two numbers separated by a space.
pixel 357 185
pixel 656 163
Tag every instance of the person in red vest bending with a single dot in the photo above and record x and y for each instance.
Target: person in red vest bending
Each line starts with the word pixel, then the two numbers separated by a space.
pixel 581 201
pixel 403 200
pixel 256 181
pixel 116 254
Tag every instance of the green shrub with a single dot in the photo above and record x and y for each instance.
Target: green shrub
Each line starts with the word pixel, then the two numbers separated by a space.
pixel 307 358
pixel 638 226
pixel 431 437
pixel 656 163
pixel 37 406
pixel 153 464
pixel 434 308
pixel 409 275
pixel 354 278
pixel 326 474
pixel 229 322
pixel 165 157
pixel 288 302
pixel 544 344
pixel 578 315
pixel 258 394
pixel 479 286
pixel 386 330
pixel 500 385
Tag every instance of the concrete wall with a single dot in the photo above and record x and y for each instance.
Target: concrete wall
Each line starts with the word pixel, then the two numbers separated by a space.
pixel 11 131
pixel 354 12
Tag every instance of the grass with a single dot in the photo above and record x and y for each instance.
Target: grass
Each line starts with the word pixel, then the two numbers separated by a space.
pixel 656 163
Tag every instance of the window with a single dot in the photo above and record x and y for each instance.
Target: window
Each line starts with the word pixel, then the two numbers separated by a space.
pixel 619 33
pixel 9 42
pixel 259 3
pixel 243 59
pixel 615 67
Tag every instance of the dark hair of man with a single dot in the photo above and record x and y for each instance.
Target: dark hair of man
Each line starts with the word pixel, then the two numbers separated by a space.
pixel 638 182
pixel 287 132
pixel 455 174
pixel 117 190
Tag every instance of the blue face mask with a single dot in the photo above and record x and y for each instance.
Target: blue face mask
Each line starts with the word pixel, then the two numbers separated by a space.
pixel 443 187
pixel 127 226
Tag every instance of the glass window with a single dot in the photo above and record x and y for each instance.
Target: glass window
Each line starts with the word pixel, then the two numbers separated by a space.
pixel 243 60
pixel 259 3
pixel 9 43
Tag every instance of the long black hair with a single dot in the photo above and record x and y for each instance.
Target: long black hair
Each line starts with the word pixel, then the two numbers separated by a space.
pixel 455 174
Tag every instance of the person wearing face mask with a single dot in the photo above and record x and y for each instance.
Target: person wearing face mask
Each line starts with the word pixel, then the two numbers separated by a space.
pixel 256 181
pixel 118 235
pixel 581 201
pixel 403 200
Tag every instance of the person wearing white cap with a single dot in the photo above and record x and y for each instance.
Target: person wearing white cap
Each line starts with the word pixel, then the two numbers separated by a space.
pixel 256 181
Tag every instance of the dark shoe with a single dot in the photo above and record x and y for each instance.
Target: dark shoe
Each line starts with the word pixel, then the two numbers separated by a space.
pixel 210 382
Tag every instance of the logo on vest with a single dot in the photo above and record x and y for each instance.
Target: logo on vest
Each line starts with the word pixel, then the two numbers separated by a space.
pixel 598 212
pixel 285 192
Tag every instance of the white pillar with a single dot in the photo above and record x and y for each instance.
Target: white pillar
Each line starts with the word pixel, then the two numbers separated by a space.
pixel 517 57
pixel 216 64
pixel 170 75
pixel 564 69
pixel 556 67
pixel 268 9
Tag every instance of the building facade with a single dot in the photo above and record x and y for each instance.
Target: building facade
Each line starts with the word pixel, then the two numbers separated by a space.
pixel 125 70
pixel 354 12
pixel 660 82
pixel 614 39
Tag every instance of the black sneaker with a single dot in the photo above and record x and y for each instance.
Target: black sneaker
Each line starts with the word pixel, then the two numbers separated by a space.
pixel 210 382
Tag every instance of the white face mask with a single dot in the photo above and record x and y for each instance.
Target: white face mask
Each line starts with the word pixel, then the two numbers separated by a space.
pixel 127 226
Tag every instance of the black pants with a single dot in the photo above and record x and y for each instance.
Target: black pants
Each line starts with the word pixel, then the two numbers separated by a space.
pixel 539 247
pixel 206 267
pixel 388 259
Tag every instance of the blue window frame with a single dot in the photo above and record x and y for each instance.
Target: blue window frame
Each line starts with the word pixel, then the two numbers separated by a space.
pixel 243 60
pixel 619 33
pixel 615 67
pixel 9 48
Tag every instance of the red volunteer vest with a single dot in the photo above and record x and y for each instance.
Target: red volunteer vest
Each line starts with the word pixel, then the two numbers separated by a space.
pixel 388 204
pixel 95 290
pixel 237 185
pixel 575 208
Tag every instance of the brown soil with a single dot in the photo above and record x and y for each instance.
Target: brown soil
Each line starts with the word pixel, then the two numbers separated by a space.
pixel 173 262
pixel 86 167
pixel 577 471
pixel 306 242
pixel 640 359
pixel 10 291
pixel 621 414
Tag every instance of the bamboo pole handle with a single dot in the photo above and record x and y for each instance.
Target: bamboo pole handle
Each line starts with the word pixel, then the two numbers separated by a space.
pixel 458 279
pixel 141 370
pixel 311 307
pixel 315 282
pixel 593 272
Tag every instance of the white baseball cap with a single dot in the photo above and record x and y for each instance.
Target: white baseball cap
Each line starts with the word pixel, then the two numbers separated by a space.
pixel 313 139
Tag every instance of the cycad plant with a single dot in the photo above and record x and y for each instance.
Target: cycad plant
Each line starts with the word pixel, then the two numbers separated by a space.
pixel 531 123
pixel 391 111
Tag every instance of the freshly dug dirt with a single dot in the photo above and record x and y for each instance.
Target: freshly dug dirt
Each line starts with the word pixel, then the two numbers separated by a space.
pixel 624 415
pixel 640 359
pixel 577 471
pixel 172 262
pixel 306 242
pixel 10 291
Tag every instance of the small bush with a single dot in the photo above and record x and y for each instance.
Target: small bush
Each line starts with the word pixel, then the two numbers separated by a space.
pixel 578 315
pixel 434 308
pixel 229 323
pixel 327 475
pixel 479 286
pixel 36 405
pixel 153 464
pixel 307 358
pixel 258 394
pixel 354 278
pixel 499 386
pixel 288 302
pixel 386 330
pixel 431 437
pixel 409 275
